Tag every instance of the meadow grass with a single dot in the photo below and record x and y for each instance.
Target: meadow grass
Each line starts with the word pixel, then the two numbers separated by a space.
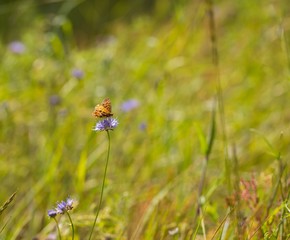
pixel 180 166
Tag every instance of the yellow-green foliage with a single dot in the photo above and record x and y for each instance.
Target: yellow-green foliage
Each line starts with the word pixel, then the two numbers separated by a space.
pixel 49 151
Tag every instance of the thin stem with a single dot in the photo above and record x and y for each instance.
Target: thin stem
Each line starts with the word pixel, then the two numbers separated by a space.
pixel 72 226
pixel 216 64
pixel 222 222
pixel 258 228
pixel 205 165
pixel 200 188
pixel 58 230
pixel 237 194
pixel 280 174
pixel 103 185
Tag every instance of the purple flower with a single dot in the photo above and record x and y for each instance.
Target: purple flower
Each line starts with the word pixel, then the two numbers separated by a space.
pixel 77 73
pixel 62 207
pixel 17 47
pixel 52 213
pixel 54 100
pixel 143 126
pixel 65 206
pixel 106 124
pixel 69 203
pixel 129 105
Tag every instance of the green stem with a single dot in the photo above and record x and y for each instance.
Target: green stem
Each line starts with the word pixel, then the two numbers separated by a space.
pixel 58 230
pixel 200 188
pixel 72 226
pixel 103 185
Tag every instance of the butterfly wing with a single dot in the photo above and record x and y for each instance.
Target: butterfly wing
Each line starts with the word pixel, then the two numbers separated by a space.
pixel 103 109
pixel 107 104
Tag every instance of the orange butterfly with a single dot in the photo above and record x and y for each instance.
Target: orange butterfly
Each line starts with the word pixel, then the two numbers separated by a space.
pixel 104 109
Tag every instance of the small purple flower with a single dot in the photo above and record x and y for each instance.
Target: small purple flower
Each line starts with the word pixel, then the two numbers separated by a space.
pixel 52 213
pixel 106 124
pixel 54 100
pixel 143 126
pixel 17 47
pixel 129 105
pixel 77 73
pixel 62 207
pixel 69 203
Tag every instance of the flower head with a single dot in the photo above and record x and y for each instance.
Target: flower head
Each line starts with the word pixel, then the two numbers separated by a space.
pixel 54 100
pixel 69 203
pixel 65 206
pixel 52 213
pixel 106 124
pixel 143 126
pixel 61 208
pixel 129 105
pixel 77 73
pixel 17 47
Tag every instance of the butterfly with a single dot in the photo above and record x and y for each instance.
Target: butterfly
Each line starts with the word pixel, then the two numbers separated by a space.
pixel 104 109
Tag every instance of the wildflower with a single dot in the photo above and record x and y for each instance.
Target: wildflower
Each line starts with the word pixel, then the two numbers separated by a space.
pixel 61 207
pixel 17 47
pixel 129 105
pixel 64 206
pixel 106 124
pixel 77 73
pixel 143 126
pixel 54 100
pixel 69 203
pixel 52 213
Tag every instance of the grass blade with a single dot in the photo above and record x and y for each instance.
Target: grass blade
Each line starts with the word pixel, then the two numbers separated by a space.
pixel 6 204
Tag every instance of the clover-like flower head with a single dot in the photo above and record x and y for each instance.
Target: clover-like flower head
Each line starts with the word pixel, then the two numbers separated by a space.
pixel 61 208
pixel 106 124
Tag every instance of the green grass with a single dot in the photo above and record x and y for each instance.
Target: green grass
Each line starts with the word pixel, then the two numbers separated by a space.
pixel 49 152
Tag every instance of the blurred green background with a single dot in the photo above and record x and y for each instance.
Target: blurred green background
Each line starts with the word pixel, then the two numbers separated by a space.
pixel 61 58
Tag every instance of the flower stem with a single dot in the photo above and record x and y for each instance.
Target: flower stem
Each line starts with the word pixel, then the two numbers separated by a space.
pixel 103 185
pixel 58 230
pixel 72 226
